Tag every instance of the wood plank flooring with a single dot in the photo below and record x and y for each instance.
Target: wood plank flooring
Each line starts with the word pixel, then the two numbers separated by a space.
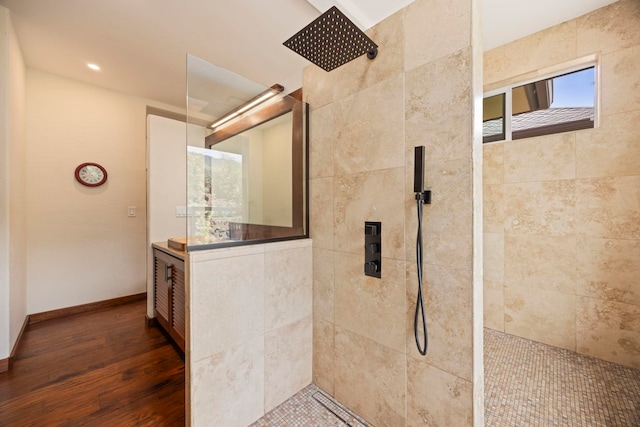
pixel 103 367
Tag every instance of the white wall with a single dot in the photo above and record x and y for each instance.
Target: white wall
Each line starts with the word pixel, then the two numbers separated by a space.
pixel 4 187
pixel 12 187
pixel 82 247
pixel 17 185
pixel 167 177
pixel 166 184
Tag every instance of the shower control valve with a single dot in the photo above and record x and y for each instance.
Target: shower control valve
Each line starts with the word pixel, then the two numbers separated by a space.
pixel 371 268
pixel 372 248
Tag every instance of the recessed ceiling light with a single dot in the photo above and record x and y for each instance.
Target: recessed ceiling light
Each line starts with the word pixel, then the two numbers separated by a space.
pixel 93 67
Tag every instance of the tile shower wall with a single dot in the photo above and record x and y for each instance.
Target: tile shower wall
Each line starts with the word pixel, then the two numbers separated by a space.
pixel 250 331
pixel 366 119
pixel 562 212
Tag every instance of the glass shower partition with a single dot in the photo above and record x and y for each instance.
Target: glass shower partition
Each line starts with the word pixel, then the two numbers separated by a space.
pixel 247 160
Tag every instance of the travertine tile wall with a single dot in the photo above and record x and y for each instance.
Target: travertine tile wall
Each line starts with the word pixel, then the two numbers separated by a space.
pixel 366 118
pixel 562 212
pixel 250 331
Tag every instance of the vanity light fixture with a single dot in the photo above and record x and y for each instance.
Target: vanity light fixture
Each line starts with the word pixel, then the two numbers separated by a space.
pixel 253 102
pixel 94 67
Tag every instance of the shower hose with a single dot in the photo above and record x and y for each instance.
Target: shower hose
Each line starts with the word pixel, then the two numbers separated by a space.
pixel 420 313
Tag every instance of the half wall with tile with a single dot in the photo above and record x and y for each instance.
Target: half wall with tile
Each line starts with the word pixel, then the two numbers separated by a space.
pixel 249 330
pixel 562 212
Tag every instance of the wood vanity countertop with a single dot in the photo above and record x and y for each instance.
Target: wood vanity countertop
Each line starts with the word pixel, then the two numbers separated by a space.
pixel 162 246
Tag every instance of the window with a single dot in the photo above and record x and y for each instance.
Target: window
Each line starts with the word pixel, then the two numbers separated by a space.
pixel 560 103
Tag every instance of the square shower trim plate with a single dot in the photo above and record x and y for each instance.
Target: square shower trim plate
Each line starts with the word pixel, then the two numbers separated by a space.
pixel 331 40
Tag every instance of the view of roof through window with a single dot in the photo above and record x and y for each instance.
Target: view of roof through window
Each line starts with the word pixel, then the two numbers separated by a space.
pixel 558 104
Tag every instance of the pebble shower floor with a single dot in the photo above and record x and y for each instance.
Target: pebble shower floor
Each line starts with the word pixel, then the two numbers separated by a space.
pixel 527 384
pixel 310 407
pixel 530 384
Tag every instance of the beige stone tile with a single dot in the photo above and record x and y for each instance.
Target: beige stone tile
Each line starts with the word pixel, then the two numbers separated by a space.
pixel 545 48
pixel 613 149
pixel 545 316
pixel 197 257
pixel 437 398
pixel 609 330
pixel 288 287
pixel 369 129
pixel 288 354
pixel 439 106
pixel 370 379
pixel 371 307
pixel 609 207
pixel 322 137
pixel 321 212
pixel 323 355
pixel 620 81
pixel 286 245
pixel 448 220
pixel 609 269
pixel 323 284
pixel 448 306
pixel 231 291
pixel 318 87
pixel 425 40
pixel 447 228
pixel 609 28
pixel 493 256
pixel 545 158
pixel 495 66
pixel 369 196
pixel 493 163
pixel 227 389
pixel 362 73
pixel 540 262
pixel 546 207
pixel 493 297
pixel 493 208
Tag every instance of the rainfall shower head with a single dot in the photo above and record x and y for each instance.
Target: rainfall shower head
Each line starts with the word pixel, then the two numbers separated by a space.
pixel 332 40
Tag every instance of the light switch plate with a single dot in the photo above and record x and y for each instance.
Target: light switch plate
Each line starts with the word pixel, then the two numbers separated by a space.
pixel 131 211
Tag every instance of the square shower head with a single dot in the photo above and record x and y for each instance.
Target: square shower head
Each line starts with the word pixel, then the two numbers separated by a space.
pixel 331 40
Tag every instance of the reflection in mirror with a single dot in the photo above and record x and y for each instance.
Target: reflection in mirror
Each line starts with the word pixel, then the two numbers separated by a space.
pixel 261 180
pixel 247 180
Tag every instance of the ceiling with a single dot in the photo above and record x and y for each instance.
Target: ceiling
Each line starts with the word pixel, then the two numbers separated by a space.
pixel 141 45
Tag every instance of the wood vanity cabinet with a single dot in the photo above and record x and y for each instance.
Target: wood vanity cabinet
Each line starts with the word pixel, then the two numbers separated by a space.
pixel 169 294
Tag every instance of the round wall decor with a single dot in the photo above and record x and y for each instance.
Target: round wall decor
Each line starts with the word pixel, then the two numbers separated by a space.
pixel 91 174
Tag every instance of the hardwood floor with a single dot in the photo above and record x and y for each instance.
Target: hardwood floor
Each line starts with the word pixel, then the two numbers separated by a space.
pixel 99 368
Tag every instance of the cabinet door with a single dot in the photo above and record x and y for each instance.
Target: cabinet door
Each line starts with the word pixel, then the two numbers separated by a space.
pixel 162 285
pixel 170 306
pixel 178 306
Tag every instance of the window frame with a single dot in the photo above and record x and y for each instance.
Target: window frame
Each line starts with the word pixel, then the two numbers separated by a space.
pixel 506 88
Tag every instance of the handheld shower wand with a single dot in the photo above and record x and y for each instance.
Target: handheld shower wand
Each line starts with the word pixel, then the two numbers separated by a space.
pixel 422 197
